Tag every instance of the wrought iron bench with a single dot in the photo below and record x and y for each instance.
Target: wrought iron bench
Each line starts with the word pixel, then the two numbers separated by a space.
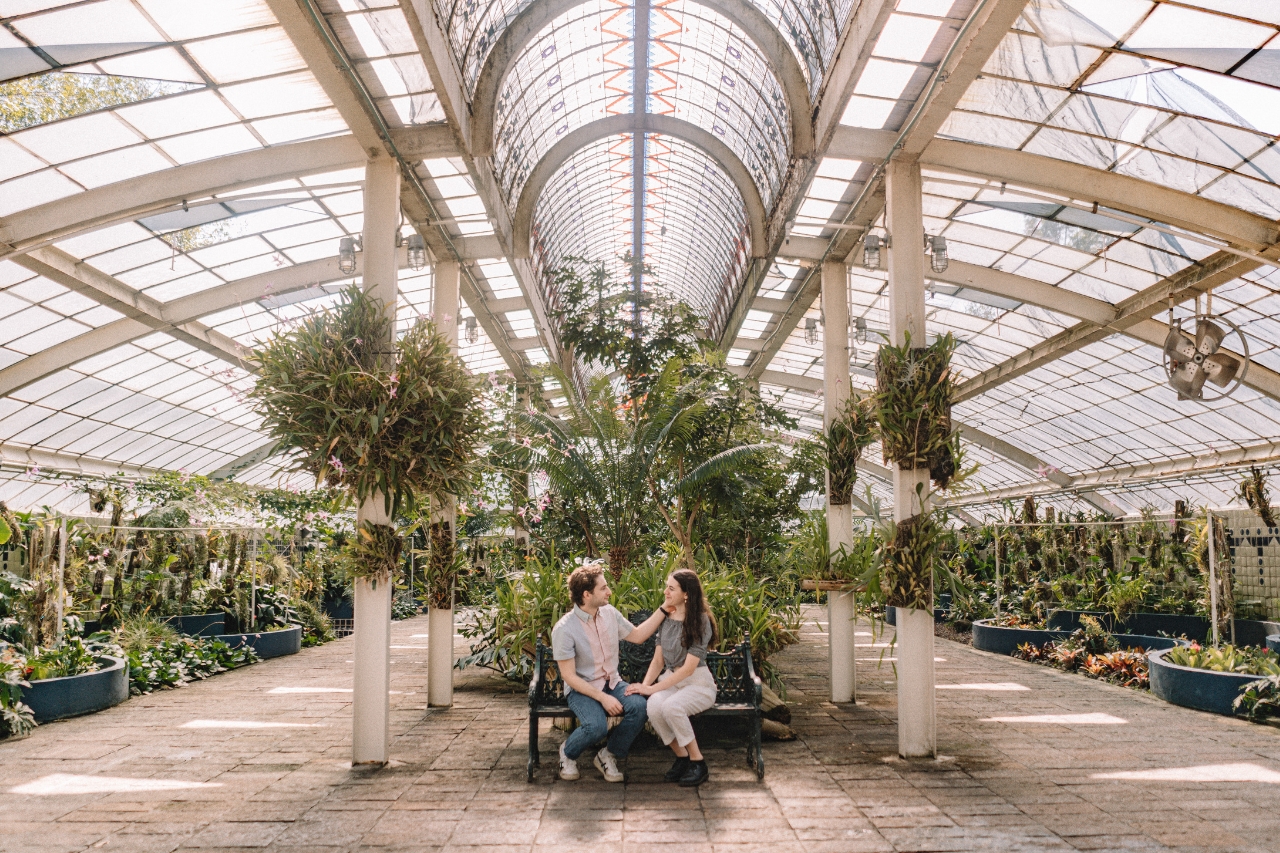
pixel 738 690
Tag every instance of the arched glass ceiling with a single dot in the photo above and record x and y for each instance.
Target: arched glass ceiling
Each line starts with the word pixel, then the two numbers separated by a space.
pixel 694 240
pixel 705 70
pixel 587 208
pixel 695 227
pixel 810 27
pixel 701 68
pixel 577 70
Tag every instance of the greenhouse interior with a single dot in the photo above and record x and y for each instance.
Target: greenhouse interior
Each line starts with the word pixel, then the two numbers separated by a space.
pixel 379 377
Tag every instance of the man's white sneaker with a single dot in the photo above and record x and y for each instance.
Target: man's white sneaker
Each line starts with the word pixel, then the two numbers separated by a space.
pixel 568 766
pixel 608 766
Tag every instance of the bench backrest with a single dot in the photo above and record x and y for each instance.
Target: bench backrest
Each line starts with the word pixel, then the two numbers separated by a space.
pixel 735 675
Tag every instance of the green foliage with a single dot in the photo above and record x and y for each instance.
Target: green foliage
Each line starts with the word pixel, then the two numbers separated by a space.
pixel 316 625
pixel 596 315
pixel 908 558
pixel 139 633
pixel 527 606
pixel 173 663
pixel 1259 699
pixel 402 422
pixel 43 98
pixel 71 658
pixel 16 718
pixel 849 434
pixel 1253 489
pixel 914 387
pixel 374 552
pixel 1226 658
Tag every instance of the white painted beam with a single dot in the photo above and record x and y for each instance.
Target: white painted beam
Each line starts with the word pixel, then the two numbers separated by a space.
pixel 20 458
pixel 136 197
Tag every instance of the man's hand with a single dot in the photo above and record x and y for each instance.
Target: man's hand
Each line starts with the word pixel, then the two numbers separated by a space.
pixel 640 689
pixel 611 706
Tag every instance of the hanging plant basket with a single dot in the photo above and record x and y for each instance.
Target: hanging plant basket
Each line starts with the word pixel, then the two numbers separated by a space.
pixel 849 434
pixel 908 555
pixel 914 388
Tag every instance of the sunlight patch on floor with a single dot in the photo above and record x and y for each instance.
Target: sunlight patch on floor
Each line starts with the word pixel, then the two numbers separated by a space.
pixel 244 724
pixel 1241 772
pixel 1096 719
pixel 993 686
pixel 67 783
pixel 279 690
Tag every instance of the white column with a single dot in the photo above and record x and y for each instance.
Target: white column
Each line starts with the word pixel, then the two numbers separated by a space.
pixel 371 709
pixel 917 730
pixel 835 377
pixel 440 620
pixel 371 706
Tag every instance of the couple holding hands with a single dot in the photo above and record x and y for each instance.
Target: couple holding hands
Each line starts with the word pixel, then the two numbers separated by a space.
pixel 677 685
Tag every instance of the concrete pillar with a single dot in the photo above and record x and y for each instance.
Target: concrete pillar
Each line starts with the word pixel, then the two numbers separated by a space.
pixel 371 707
pixel 904 218
pixel 835 373
pixel 440 620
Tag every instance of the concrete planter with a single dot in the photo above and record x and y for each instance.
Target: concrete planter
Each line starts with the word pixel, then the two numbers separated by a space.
pixel 1273 643
pixel 1005 641
pixel 199 624
pixel 1202 689
pixel 268 644
pixel 1249 632
pixel 57 698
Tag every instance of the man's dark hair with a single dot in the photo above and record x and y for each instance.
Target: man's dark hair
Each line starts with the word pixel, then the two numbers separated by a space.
pixel 583 580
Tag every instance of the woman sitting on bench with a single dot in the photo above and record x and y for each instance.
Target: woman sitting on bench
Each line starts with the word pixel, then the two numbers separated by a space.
pixel 686 686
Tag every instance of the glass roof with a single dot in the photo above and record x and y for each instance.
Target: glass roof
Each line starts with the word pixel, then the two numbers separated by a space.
pixel 1180 93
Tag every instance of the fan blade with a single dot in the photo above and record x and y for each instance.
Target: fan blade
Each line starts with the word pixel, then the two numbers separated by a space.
pixel 1221 368
pixel 1208 337
pixel 1187 380
pixel 1178 345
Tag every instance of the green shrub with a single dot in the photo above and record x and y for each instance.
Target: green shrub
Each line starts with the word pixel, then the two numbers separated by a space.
pixel 16 718
pixel 1227 658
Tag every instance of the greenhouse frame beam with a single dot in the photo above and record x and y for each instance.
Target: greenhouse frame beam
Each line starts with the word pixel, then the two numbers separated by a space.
pixel 65 269
pixel 254 457
pixel 961 66
pixel 1218 268
pixel 998 446
pixel 25 458
pixel 545 169
pixel 525 26
pixel 135 197
pixel 1184 210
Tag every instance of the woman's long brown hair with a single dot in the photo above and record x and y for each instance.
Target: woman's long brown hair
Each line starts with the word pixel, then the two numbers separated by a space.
pixel 695 609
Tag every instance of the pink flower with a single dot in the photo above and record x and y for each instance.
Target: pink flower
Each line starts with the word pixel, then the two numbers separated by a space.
pixel 537 519
pixel 520 512
pixel 337 465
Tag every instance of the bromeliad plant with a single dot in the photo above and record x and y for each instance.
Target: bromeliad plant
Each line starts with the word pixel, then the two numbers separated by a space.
pixel 849 434
pixel 370 417
pixel 1253 488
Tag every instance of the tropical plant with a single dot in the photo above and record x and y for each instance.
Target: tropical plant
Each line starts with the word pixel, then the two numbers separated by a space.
pixel 914 387
pixel 1253 489
pixel 851 431
pixel 1259 699
pixel 369 416
pixel 1226 658
pixel 16 718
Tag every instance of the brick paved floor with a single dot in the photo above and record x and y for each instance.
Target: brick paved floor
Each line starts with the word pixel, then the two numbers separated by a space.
pixel 197 769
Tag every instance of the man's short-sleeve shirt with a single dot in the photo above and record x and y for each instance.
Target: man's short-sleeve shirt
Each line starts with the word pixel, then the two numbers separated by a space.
pixel 592 642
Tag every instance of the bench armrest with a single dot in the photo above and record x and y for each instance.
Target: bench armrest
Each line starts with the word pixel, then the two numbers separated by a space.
pixel 754 686
pixel 536 682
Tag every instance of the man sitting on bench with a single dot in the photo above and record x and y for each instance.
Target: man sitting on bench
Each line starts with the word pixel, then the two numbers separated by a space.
pixel 585 645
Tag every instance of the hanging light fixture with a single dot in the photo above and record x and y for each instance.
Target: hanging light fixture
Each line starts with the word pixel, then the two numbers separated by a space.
pixel 417 252
pixel 473 330
pixel 871 252
pixel 810 331
pixel 938 259
pixel 860 330
pixel 347 255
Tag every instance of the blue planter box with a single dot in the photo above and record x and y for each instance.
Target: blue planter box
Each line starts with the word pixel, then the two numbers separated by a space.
pixel 199 625
pixel 268 644
pixel 1202 689
pixel 1005 641
pixel 1249 632
pixel 1273 643
pixel 57 698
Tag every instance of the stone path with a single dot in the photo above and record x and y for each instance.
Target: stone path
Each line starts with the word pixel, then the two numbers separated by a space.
pixel 259 759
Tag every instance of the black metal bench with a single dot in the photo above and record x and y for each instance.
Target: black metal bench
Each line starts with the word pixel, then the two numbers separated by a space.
pixel 738 690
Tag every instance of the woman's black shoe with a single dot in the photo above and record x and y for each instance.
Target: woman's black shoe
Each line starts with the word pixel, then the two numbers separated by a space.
pixel 695 775
pixel 677 771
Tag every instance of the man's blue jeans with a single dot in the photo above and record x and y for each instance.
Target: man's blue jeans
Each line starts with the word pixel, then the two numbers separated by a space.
pixel 593 722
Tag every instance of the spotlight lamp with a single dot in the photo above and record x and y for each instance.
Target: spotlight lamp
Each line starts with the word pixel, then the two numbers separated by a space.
pixel 473 328
pixel 811 331
pixel 417 252
pixel 347 255
pixel 871 251
pixel 860 330
pixel 938 253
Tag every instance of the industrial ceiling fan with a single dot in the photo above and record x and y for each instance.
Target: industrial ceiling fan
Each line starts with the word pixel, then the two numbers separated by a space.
pixel 1193 357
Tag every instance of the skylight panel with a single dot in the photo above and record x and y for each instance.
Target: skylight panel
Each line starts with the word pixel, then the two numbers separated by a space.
pixel 867 112
pixel 292 128
pixel 1191 37
pixel 242 56
pixel 115 166
pixel 291 93
pixel 906 37
pixel 828 189
pixel 182 19
pixel 15 161
pixel 76 137
pixel 178 114
pixel 34 189
pixel 65 33
pixel 884 79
